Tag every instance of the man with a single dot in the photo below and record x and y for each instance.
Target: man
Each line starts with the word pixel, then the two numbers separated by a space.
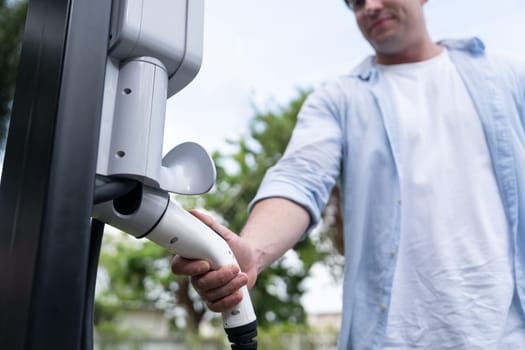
pixel 428 141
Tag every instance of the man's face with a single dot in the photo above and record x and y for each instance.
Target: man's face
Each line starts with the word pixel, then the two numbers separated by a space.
pixel 390 25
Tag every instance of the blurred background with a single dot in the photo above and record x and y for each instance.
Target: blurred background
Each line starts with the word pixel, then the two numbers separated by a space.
pixel 261 59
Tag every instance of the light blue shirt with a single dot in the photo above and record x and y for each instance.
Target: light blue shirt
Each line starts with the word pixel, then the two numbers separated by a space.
pixel 347 132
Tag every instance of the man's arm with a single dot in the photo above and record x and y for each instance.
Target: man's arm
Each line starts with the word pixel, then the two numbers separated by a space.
pixel 306 174
pixel 273 226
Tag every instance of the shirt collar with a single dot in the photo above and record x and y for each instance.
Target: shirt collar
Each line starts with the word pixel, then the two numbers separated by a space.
pixel 367 70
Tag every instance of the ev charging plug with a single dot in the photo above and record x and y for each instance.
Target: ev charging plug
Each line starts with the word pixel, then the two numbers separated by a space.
pixel 147 212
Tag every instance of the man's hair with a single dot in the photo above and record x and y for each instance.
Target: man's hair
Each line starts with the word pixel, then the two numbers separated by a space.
pixel 348 4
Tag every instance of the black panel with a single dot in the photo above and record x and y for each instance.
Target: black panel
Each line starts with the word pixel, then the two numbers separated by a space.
pixel 48 176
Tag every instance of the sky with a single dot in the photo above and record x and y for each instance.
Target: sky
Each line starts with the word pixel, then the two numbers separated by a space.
pixel 261 53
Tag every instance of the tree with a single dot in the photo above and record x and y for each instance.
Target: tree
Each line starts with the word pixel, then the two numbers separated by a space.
pixel 12 17
pixel 277 294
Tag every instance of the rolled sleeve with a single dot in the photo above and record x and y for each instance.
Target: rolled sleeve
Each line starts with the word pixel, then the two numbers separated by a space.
pixel 311 163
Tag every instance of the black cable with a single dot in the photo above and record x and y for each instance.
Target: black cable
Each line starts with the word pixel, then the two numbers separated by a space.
pixel 108 190
pixel 243 337
pixel 95 243
pixel 112 189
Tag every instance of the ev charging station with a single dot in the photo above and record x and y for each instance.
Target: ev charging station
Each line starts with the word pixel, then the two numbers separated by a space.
pixel 84 149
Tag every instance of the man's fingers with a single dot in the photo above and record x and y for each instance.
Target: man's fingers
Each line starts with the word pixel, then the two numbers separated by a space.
pixel 215 279
pixel 219 288
pixel 208 220
pixel 182 266
pixel 232 287
pixel 226 303
pixel 211 223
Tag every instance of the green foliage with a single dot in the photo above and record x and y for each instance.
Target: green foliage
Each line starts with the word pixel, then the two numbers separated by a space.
pixel 12 18
pixel 284 337
pixel 134 269
pixel 239 174
pixel 133 275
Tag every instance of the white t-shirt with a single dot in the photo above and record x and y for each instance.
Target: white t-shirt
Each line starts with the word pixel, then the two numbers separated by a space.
pixel 453 285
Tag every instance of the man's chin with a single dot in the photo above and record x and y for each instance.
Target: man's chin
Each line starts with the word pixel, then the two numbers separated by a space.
pixel 385 44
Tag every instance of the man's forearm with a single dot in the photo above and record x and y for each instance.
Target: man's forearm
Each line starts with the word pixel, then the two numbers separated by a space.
pixel 274 226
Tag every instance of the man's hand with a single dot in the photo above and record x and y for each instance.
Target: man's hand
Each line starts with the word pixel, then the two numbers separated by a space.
pixel 273 226
pixel 220 288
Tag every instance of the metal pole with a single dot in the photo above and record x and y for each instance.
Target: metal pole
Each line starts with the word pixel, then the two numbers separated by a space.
pixel 48 177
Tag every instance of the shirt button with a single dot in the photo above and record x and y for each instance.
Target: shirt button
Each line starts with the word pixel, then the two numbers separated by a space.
pixel 399 202
pixel 392 252
pixel 383 307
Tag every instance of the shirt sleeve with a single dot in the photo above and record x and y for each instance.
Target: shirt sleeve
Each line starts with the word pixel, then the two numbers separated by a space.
pixel 310 165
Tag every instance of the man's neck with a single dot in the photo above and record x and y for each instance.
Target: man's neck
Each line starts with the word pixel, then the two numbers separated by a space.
pixel 414 54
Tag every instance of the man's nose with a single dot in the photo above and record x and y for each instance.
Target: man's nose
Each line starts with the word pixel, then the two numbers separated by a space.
pixel 372 6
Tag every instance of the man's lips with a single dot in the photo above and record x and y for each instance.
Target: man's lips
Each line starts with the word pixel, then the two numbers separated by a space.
pixel 378 22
